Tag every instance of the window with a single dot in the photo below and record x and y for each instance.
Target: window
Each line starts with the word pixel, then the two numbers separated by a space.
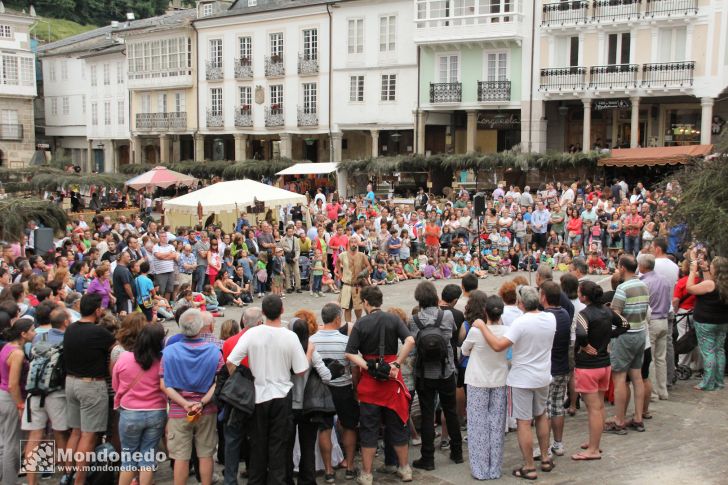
pixel 310 44
pixel 52 71
pixel 216 101
pixel 94 80
pixel 245 48
pixel 179 102
pixel 54 106
pixel 387 33
pixel 671 44
pixel 389 87
pixel 10 126
pixel 119 73
pixel 309 98
pixel 64 70
pixel 356 89
pixel 107 74
pixel 573 51
pixel 276 96
pixel 496 66
pixel 66 106
pixel 252 3
pixel 501 7
pixel 246 96
pixel 356 36
pixel 94 114
pixel 120 117
pixel 9 70
pixel 107 113
pixel 6 32
pixel 276 44
pixel 207 9
pixel 83 103
pixel 159 58
pixel 146 103
pixel 161 103
pixel 215 53
pixel 448 69
pixel 618 49
pixel 27 66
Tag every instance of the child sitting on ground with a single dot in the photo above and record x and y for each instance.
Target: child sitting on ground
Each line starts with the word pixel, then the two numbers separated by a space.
pixel 411 270
pixel 595 263
pixel 379 275
pixel 329 282
pixel 391 277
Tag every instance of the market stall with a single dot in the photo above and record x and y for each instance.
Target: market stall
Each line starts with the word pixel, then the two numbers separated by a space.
pixel 160 177
pixel 307 177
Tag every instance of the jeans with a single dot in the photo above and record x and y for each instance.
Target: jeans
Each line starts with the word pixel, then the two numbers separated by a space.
pixel 236 445
pixel 658 367
pixel 711 341
pixel 293 275
pixel 307 433
pixel 10 438
pixel 428 389
pixel 271 428
pixel 140 431
pixel 316 288
pixel 198 277
pixel 670 350
pixel 631 244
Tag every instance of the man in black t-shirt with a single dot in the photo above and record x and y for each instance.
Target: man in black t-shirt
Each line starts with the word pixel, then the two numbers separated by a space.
pixel 123 282
pixel 86 348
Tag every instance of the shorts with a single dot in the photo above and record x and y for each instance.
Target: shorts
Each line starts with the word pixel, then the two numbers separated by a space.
pixel 183 279
pixel 347 408
pixel 527 404
pixel 590 381
pixel 140 431
pixel 370 421
pixel 557 395
pixel 165 282
pixel 627 351
pixel 87 405
pixel 54 409
pixel 181 433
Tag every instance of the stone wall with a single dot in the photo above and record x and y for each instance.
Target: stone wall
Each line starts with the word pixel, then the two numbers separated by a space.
pixel 18 153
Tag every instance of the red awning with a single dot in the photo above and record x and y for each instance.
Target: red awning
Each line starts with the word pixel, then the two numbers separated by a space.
pixel 648 157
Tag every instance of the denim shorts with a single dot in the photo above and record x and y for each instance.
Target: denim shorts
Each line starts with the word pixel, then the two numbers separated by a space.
pixel 140 432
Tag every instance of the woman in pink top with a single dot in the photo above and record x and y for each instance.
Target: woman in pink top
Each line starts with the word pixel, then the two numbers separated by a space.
pixel 142 405
pixel 100 284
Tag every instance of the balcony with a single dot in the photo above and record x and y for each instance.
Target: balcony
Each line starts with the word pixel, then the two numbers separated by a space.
pixel 446 92
pixel 274 66
pixel 668 74
pixel 496 19
pixel 214 71
pixel 564 13
pixel 11 132
pixel 494 91
pixel 307 64
pixel 613 10
pixel 308 117
pixel 671 8
pixel 244 68
pixel 563 78
pixel 215 119
pixel 617 76
pixel 274 116
pixel 163 78
pixel 243 116
pixel 161 121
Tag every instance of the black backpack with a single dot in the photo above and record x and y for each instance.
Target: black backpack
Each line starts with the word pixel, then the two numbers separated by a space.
pixel 430 345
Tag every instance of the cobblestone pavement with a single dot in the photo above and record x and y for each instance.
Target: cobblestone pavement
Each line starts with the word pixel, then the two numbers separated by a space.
pixel 685 443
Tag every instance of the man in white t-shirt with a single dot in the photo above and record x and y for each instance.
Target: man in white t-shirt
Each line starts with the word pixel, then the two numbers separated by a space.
pixel 666 268
pixel 274 352
pixel 164 258
pixel 531 336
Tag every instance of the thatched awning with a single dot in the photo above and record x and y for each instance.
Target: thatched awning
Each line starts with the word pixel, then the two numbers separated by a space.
pixel 652 156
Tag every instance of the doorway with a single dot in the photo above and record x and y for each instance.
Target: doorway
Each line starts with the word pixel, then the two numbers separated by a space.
pixel 123 155
pixel 310 149
pixel 98 160
pixel 150 154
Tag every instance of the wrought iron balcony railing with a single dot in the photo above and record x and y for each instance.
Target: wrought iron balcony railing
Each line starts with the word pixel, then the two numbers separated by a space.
pixel 563 78
pixel 274 66
pixel 161 121
pixel 668 74
pixel 617 76
pixel 307 64
pixel 446 92
pixel 611 10
pixel 564 13
pixel 243 116
pixel 671 8
pixel 244 68
pixel 308 116
pixel 274 116
pixel 494 91
pixel 215 119
pixel 214 71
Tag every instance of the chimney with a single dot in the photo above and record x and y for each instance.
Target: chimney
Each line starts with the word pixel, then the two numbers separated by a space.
pixel 174 6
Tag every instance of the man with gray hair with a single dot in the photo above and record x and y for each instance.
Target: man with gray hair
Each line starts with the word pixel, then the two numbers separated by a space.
pixel 531 335
pixel 660 302
pixel 579 268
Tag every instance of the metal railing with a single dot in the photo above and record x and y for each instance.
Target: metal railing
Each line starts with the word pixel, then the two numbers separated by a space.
pixel 11 131
pixel 446 92
pixel 308 117
pixel 668 74
pixel 244 68
pixel 274 116
pixel 215 119
pixel 671 8
pixel 562 78
pixel 611 10
pixel 274 66
pixel 565 13
pixel 616 76
pixel 214 71
pixel 494 90
pixel 307 64
pixel 243 116
pixel 161 121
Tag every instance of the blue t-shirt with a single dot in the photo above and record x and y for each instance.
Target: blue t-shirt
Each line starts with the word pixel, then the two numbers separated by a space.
pixel 144 287
pixel 370 196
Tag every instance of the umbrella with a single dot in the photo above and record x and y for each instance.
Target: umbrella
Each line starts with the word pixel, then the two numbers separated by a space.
pixel 161 177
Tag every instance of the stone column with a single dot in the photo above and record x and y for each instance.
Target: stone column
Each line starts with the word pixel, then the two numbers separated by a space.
pixel 286 146
pixel 634 136
pixel 89 157
pixel 421 117
pixel 136 147
pixel 109 157
pixel 342 181
pixel 586 135
pixel 199 148
pixel 176 148
pixel 471 130
pixel 241 141
pixel 375 143
pixel 706 120
pixel 164 148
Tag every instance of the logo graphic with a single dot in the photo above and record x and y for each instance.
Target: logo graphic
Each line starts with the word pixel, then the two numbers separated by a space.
pixel 40 459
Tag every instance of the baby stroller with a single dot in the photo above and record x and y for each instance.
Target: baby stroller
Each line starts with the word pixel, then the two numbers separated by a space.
pixel 684 345
pixel 304 262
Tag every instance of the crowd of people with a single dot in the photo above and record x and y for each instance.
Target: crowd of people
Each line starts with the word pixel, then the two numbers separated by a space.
pixel 85 354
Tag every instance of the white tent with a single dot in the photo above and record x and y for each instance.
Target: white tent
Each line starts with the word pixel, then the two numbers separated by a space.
pixel 225 200
pixel 310 169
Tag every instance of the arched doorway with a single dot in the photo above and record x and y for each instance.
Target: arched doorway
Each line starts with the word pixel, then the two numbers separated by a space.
pixel 151 154
pixel 123 154
pixel 2 159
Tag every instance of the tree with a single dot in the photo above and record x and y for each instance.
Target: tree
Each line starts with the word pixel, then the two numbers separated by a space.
pixel 18 212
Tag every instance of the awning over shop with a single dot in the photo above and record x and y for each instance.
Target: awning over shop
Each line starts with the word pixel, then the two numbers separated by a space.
pixel 310 169
pixel 651 156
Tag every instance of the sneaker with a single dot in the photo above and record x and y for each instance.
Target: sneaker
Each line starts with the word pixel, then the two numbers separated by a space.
pixel 320 294
pixel 422 464
pixel 315 295
pixel 445 444
pixel 416 441
pixel 405 473
pixel 365 479
pixel 537 454
pixel 299 290
pixel 351 474
pixel 557 448
pixel 216 478
pixel 387 469
pixel 456 457
pixel 330 478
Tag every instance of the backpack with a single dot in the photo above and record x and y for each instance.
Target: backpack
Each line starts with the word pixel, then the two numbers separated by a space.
pixel 47 372
pixel 430 345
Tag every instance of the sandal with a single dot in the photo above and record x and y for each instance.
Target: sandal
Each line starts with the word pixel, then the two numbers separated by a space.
pixel 646 415
pixel 614 428
pixel 585 446
pixel 637 426
pixel 525 473
pixel 547 465
pixel 584 457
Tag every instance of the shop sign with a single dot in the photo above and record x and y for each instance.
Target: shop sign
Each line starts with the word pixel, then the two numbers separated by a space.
pixel 495 121
pixel 610 104
pixel 42 146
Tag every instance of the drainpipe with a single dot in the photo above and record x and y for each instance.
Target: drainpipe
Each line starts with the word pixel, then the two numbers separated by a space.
pixel 331 74
pixel 197 92
pixel 416 131
pixel 530 81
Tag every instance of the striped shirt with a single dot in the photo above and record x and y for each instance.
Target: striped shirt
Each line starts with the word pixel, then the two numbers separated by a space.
pixel 331 344
pixel 631 300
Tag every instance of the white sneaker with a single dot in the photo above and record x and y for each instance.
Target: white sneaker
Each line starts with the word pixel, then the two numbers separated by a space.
pixel 557 448
pixel 405 473
pixel 537 453
pixel 416 441
pixel 365 479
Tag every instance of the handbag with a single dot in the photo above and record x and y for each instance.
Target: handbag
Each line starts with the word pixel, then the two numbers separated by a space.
pixel 379 369
pixel 239 391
